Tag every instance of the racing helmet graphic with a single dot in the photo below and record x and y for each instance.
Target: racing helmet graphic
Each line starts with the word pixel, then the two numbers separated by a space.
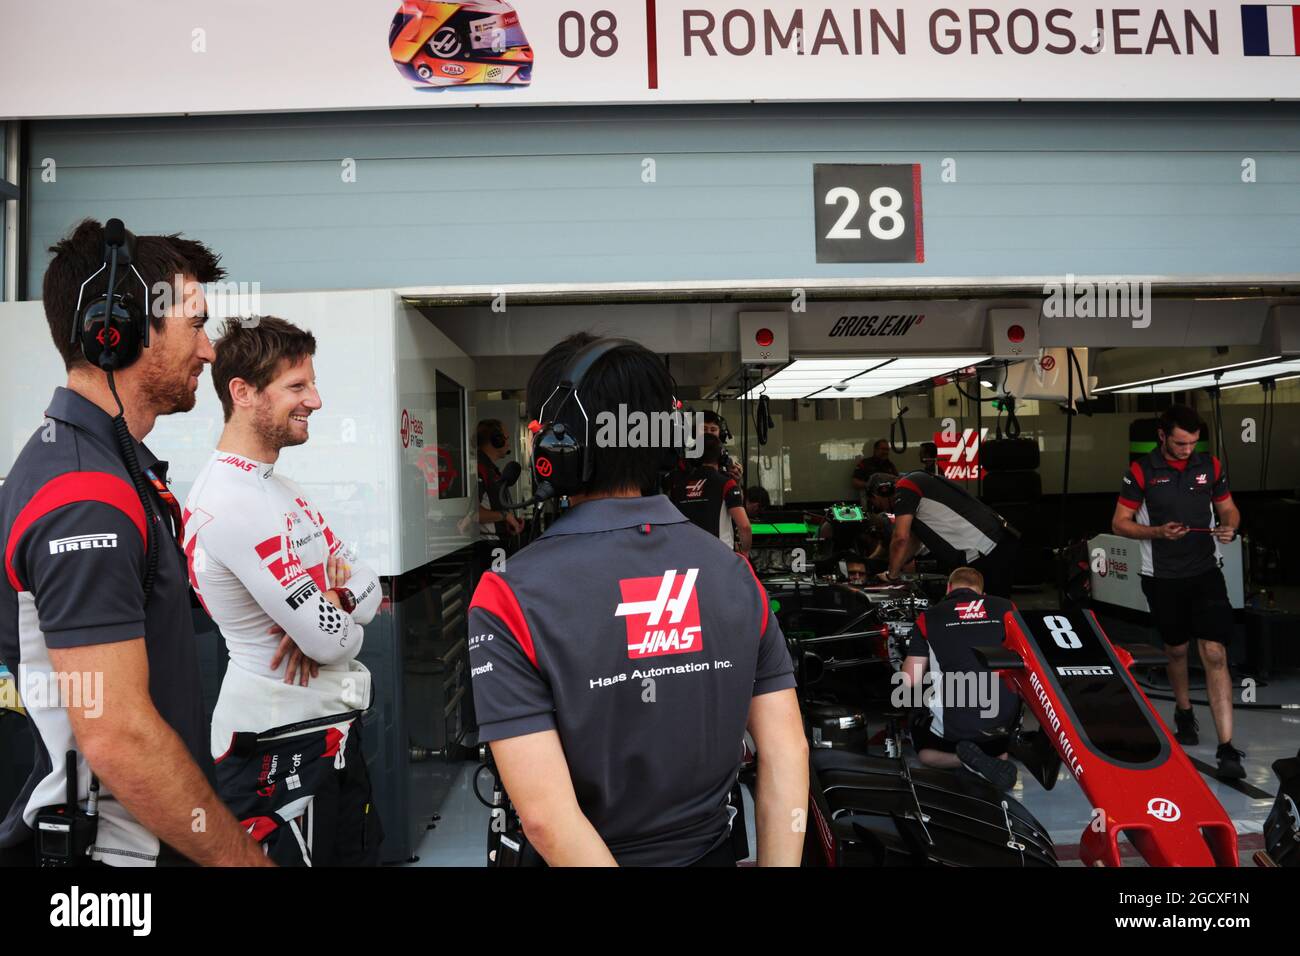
pixel 460 44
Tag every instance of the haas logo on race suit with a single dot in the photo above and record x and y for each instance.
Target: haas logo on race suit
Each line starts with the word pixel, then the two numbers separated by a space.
pixel 663 616
pixel 279 556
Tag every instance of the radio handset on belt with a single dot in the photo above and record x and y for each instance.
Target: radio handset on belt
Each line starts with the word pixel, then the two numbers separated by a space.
pixel 65 833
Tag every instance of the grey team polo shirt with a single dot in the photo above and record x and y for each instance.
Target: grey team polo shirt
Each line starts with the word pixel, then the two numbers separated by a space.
pixel 641 640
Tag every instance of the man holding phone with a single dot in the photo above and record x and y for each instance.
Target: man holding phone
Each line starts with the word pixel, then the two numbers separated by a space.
pixel 1176 503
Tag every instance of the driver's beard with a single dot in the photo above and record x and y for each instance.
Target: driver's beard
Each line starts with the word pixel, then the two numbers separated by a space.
pixel 274 435
pixel 167 389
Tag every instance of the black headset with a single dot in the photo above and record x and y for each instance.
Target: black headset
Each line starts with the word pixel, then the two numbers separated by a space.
pixel 562 456
pixel 114 327
pixel 724 431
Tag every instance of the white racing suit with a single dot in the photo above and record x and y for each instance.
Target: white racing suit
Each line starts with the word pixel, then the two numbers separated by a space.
pixel 289 762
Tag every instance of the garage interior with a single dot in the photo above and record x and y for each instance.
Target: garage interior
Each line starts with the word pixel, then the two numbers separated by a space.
pixel 848 394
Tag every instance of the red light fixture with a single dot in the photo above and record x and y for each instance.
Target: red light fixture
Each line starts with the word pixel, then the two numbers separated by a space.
pixel 764 338
pixel 1016 333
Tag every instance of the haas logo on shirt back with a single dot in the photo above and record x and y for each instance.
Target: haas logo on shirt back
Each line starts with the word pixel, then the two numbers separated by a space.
pixel 972 611
pixel 663 616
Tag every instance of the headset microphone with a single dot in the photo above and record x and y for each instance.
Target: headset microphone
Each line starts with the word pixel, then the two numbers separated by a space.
pixel 544 492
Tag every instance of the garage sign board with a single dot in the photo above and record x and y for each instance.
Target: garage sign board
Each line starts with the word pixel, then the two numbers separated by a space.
pixel 187 57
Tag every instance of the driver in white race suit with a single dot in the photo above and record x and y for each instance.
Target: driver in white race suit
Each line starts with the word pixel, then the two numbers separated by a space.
pixel 286 733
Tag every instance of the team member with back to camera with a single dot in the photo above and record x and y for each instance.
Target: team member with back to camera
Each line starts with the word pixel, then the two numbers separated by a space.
pixel 961 726
pixel 94 585
pixel 1169 502
pixel 291 605
pixel 618 660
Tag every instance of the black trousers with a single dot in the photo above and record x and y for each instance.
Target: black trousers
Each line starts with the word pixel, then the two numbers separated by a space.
pixel 999 567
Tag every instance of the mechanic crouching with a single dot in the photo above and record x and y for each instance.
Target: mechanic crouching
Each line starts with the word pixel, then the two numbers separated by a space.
pixel 968 713
pixel 618 659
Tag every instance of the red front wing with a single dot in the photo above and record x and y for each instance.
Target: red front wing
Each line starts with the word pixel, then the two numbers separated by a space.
pixel 1127 763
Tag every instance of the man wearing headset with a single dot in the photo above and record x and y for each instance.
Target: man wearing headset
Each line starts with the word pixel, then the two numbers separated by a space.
pixel 716 425
pixel 79 534
pixel 619 659
pixel 712 500
pixel 493 445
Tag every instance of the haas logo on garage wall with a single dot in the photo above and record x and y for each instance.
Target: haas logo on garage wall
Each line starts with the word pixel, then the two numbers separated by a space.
pixel 663 616
pixel 412 430
pixel 959 455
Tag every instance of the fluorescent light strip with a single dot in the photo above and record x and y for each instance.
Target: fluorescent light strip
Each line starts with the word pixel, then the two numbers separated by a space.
pixel 861 378
pixel 1238 376
pixel 1287 378
pixel 1141 384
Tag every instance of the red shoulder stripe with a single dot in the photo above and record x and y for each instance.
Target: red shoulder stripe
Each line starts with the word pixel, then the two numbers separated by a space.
pixel 494 596
pixel 910 485
pixel 1135 470
pixel 74 487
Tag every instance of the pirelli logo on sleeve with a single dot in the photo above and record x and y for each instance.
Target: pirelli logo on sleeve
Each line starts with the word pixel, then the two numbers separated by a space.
pixel 663 615
pixel 301 595
pixel 82 542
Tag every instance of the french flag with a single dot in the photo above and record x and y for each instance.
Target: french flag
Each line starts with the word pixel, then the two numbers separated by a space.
pixel 1271 29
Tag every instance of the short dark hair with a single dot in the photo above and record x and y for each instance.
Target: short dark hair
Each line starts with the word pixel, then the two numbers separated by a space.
pixel 486 429
pixel 879 442
pixel 758 493
pixel 628 375
pixel 1180 416
pixel 159 259
pixel 253 349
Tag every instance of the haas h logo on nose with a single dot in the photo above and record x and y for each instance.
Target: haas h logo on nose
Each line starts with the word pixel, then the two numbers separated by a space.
pixel 1163 809
pixel 659 622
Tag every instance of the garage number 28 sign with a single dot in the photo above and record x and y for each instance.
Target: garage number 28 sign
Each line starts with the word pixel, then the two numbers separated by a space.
pixel 868 212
